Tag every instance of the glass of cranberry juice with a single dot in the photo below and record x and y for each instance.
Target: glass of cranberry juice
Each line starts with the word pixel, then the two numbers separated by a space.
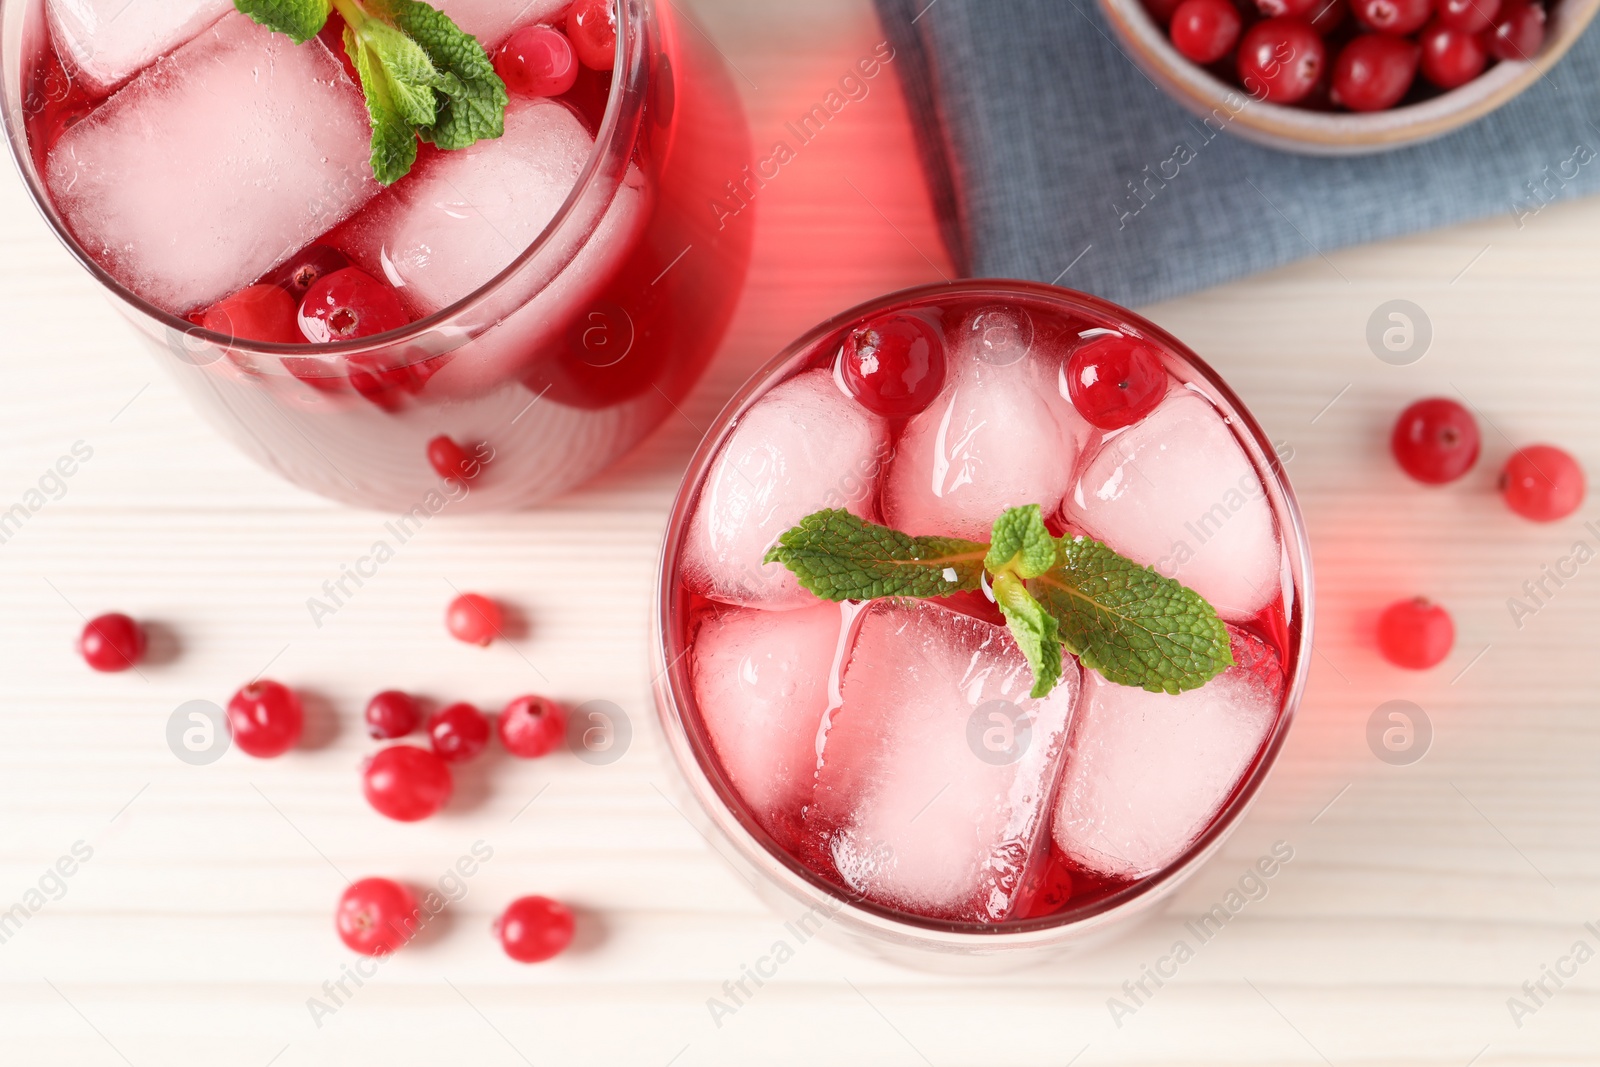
pixel 527 385
pixel 846 752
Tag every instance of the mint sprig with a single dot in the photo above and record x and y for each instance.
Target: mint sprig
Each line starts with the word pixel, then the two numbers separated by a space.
pixel 1133 625
pixel 422 75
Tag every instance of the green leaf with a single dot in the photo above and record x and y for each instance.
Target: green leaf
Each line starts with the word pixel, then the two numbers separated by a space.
pixel 1131 624
pixel 394 139
pixel 841 557
pixel 1021 544
pixel 300 19
pixel 409 73
pixel 1034 629
pixel 473 98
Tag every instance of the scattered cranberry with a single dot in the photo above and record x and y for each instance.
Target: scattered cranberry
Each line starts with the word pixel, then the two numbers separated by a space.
pixel 376 916
pixel 1114 380
pixel 406 783
pixel 458 733
pixel 474 619
pixel 1518 32
pixel 1206 30
pixel 1451 57
pixel 1415 634
pixel 453 461
pixel 348 304
pixel 297 276
pixel 1281 60
pixel 538 61
pixel 894 365
pixel 111 642
pixel 1473 16
pixel 534 929
pixel 592 27
pixel 1542 483
pixel 392 714
pixel 1374 71
pixel 258 313
pixel 531 727
pixel 1398 17
pixel 265 719
pixel 1435 440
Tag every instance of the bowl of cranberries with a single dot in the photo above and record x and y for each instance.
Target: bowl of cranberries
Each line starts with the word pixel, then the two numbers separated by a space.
pixel 1346 77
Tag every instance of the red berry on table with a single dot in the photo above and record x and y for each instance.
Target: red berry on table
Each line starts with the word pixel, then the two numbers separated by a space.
pixel 308 267
pixel 535 929
pixel 1415 634
pixel 537 61
pixel 111 642
pixel 1114 381
pixel 451 460
pixel 1399 17
pixel 265 719
pixel 1451 57
pixel 1542 483
pixel 1518 32
pixel 592 28
pixel 458 733
pixel 258 313
pixel 1473 16
pixel 349 304
pixel 1435 440
pixel 895 365
pixel 1206 30
pixel 531 727
pixel 391 714
pixel 376 916
pixel 474 619
pixel 406 783
pixel 1281 60
pixel 1374 71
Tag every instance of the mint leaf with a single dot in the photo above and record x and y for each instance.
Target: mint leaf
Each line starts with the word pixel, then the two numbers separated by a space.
pixel 300 19
pixel 473 99
pixel 1021 544
pixel 841 557
pixel 394 139
pixel 1131 624
pixel 1035 631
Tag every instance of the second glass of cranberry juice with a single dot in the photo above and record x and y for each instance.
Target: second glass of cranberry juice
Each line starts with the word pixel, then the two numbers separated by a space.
pixel 496 327
pixel 882 762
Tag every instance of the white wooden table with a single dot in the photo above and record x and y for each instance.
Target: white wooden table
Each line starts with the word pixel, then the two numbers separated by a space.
pixel 1418 900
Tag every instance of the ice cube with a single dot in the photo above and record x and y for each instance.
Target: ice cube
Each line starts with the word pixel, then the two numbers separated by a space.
pixel 993 439
pixel 761 683
pixel 937 769
pixel 490 21
pixel 802 447
pixel 1148 772
pixel 108 41
pixel 215 165
pixel 1177 492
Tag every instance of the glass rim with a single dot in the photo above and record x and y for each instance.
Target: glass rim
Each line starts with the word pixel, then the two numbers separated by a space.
pixel 673 691
pixel 614 140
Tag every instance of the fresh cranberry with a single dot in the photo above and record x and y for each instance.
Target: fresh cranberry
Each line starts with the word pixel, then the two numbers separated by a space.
pixel 1473 16
pixel 1281 60
pixel 376 916
pixel 111 642
pixel 348 304
pixel 592 27
pixel 301 272
pixel 474 619
pixel 1542 483
pixel 538 61
pixel 1435 440
pixel 406 783
pixel 1451 57
pixel 531 727
pixel 458 733
pixel 392 714
pixel 894 365
pixel 1399 17
pixel 265 719
pixel 1206 30
pixel 1415 634
pixel 534 929
pixel 1329 15
pixel 1518 32
pixel 453 461
pixel 258 313
pixel 1374 71
pixel 1114 380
